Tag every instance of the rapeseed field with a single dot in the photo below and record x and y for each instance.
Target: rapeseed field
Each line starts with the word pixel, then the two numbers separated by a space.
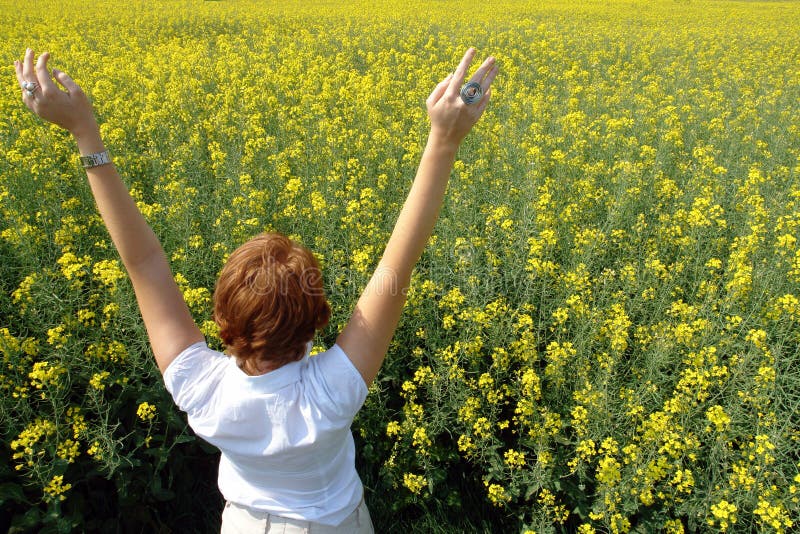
pixel 602 335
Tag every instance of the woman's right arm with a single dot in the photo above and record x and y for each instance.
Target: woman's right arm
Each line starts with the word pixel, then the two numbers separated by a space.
pixel 169 323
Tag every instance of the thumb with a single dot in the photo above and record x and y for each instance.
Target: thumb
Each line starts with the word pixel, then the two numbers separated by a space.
pixel 439 90
pixel 65 81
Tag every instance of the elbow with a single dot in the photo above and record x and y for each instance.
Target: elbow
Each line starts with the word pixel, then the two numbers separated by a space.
pixel 144 261
pixel 390 281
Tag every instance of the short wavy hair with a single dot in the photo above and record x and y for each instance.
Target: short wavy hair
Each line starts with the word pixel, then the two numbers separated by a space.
pixel 269 300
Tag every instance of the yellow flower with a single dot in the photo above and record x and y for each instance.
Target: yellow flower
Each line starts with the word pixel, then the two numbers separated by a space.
pixel 558 356
pixel 57 337
pixel 673 526
pixel 22 295
pixel 741 477
pixel 78 421
pixel 393 428
pixel 110 311
pixel 773 515
pixel 465 444
pixel 108 272
pixel 95 450
pixel 420 439
pixel 73 267
pixel 86 317
pixel 414 483
pixel 724 513
pixel 56 489
pixel 196 241
pixel 146 411
pixel 580 419
pixel 40 429
pixel 44 374
pixel 210 329
pixel 98 380
pixel 497 494
pixel 68 450
pixel 608 471
pixel 716 415
pixel 423 374
pixel 482 427
pixel 514 459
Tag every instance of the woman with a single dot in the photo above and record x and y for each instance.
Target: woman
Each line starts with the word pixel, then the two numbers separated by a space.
pixel 280 419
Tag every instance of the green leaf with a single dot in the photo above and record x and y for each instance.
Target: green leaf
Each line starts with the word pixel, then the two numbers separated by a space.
pixel 32 518
pixel 12 492
pixel 159 492
pixel 185 438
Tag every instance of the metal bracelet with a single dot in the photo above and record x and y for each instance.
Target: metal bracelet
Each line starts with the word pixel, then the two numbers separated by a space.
pixel 95 160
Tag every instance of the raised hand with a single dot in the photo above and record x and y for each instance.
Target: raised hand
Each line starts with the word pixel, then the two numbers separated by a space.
pixel 69 109
pixel 451 117
pixel 169 322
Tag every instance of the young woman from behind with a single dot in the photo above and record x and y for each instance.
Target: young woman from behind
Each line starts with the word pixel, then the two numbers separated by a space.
pixel 280 418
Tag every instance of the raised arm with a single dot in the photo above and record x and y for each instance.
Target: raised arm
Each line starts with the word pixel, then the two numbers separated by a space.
pixel 169 323
pixel 365 338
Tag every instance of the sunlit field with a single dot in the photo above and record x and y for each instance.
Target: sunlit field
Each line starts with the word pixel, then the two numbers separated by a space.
pixel 602 335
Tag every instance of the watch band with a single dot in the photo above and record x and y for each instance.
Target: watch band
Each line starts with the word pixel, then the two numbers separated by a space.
pixel 95 160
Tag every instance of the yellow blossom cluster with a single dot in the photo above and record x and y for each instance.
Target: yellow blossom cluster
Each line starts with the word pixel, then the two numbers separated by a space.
pixel 56 488
pixel 146 411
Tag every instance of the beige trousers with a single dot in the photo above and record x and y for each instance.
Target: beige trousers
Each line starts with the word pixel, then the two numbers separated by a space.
pixel 237 519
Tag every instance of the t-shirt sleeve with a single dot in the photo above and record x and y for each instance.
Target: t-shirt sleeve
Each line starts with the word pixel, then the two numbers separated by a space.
pixel 194 376
pixel 339 385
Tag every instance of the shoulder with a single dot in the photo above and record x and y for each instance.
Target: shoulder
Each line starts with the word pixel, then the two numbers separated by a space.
pixel 332 375
pixel 335 363
pixel 193 375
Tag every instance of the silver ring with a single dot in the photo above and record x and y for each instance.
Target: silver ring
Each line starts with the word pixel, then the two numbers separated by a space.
pixel 30 86
pixel 471 92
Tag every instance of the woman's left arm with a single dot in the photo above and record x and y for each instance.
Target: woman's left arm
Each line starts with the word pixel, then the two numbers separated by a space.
pixel 169 323
pixel 366 337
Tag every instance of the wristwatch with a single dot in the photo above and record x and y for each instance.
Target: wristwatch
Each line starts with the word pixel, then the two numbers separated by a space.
pixel 96 159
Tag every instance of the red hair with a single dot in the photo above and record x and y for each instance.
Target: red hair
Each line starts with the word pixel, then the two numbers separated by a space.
pixel 269 300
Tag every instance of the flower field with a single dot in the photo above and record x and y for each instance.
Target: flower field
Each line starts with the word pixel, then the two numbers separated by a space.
pixel 603 334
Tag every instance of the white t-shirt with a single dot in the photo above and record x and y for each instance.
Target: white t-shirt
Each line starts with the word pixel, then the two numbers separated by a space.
pixel 284 436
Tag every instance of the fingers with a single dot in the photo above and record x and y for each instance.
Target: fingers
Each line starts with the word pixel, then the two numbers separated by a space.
pixel 43 75
pixel 485 74
pixel 65 81
pixel 18 70
pixel 28 74
pixel 26 71
pixel 70 110
pixel 461 72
